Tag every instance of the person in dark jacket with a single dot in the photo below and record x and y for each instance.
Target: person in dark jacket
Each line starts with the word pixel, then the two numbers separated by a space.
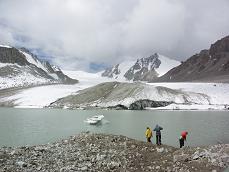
pixel 183 138
pixel 158 134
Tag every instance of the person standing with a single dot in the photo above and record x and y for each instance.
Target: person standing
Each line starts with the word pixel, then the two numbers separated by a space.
pixel 148 134
pixel 158 134
pixel 183 138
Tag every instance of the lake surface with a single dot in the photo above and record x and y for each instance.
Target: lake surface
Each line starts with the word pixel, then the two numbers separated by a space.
pixel 20 127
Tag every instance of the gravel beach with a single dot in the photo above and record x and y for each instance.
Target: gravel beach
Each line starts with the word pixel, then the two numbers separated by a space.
pixel 102 152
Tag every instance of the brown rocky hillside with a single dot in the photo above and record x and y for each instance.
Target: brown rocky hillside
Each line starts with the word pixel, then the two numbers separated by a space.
pixel 207 66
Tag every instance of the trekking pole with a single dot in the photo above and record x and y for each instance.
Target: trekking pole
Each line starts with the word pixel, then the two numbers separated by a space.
pixel 187 143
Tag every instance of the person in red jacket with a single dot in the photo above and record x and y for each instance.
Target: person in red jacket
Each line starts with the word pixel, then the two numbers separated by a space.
pixel 183 138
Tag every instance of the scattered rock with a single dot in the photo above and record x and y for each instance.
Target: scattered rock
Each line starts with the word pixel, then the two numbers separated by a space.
pixel 180 158
pixel 84 168
pixel 38 168
pixel 101 152
pixel 158 167
pixel 21 164
pixel 132 146
pixel 160 149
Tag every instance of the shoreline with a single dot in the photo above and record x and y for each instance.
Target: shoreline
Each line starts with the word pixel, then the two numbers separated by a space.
pixel 105 108
pixel 177 107
pixel 106 152
pixel 108 109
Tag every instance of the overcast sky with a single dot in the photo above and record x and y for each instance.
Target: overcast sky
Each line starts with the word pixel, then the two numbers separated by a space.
pixel 78 33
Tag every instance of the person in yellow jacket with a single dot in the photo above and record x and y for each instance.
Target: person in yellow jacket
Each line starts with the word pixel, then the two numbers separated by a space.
pixel 148 134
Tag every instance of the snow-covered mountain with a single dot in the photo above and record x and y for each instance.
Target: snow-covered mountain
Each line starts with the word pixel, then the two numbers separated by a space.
pixel 19 68
pixel 144 69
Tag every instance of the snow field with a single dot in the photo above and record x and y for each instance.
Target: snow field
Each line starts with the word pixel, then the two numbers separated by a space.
pixel 217 94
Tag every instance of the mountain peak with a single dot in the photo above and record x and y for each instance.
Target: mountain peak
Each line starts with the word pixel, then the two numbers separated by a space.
pixel 142 69
pixel 220 46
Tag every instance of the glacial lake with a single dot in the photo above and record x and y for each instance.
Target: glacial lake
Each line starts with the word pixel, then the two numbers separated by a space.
pixel 20 127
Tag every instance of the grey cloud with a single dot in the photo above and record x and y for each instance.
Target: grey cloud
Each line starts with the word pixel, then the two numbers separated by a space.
pixel 77 32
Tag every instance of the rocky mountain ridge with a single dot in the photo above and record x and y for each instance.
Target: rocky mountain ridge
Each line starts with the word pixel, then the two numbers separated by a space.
pixel 19 68
pixel 210 65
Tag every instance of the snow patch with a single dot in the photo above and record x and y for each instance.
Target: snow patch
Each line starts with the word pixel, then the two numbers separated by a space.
pixel 42 96
pixel 54 76
pixel 218 92
pixel 31 60
pixel 8 64
pixel 22 79
pixel 166 65
pixel 38 97
pixel 190 107
pixel 5 46
pixel 55 68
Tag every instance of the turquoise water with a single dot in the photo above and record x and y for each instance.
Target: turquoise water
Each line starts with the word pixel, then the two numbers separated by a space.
pixel 38 126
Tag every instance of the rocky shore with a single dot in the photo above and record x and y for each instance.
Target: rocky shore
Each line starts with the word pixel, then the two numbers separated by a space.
pixel 102 152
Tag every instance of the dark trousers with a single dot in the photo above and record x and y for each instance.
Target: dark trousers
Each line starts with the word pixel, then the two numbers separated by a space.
pixel 181 140
pixel 148 139
pixel 158 139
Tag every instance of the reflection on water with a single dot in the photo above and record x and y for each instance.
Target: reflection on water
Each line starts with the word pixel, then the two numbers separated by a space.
pixel 38 126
